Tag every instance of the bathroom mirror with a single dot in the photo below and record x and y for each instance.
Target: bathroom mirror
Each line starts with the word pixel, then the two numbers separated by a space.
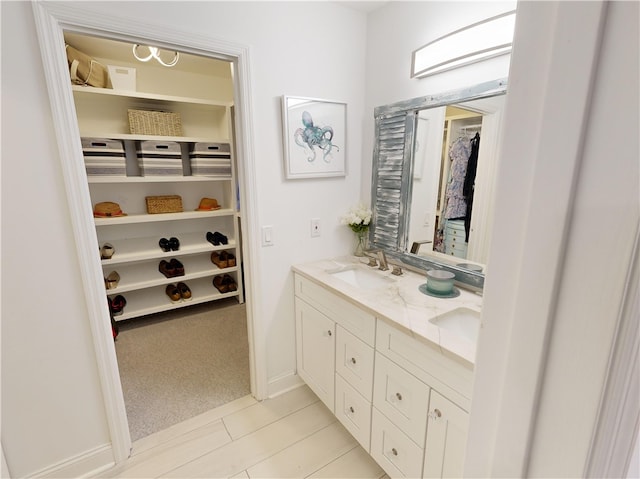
pixel 423 214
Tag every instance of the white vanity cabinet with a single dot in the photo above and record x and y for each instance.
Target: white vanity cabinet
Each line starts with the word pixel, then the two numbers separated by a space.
pixel 103 113
pixel 335 354
pixel 403 400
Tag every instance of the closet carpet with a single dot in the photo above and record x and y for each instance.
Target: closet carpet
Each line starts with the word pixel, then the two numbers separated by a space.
pixel 178 364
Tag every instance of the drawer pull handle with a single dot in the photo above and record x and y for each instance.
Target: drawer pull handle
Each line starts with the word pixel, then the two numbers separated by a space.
pixel 394 451
pixel 399 396
pixel 353 360
pixel 351 409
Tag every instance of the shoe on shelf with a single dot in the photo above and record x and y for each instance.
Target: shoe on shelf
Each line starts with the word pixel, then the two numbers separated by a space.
pixel 164 245
pixel 111 281
pixel 212 238
pixel 173 292
pixel 220 286
pixel 174 243
pixel 185 292
pixel 229 282
pixel 117 304
pixel 167 268
pixel 231 260
pixel 177 266
pixel 216 238
pixel 221 238
pixel 217 259
pixel 107 251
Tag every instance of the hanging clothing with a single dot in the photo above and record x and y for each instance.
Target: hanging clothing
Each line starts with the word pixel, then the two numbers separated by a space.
pixel 456 205
pixel 469 182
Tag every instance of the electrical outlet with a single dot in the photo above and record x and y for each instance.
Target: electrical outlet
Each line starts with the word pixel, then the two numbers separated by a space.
pixel 315 227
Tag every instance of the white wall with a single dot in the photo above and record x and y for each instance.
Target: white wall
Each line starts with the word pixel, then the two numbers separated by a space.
pixel 51 400
pixel 399 28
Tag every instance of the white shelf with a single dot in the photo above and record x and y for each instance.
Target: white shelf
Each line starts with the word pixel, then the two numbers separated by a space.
pixel 155 300
pixel 149 96
pixel 151 218
pixel 134 278
pixel 154 179
pixel 144 249
pixel 128 136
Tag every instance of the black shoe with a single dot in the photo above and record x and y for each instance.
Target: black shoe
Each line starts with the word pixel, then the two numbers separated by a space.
pixel 174 243
pixel 221 238
pixel 212 238
pixel 164 244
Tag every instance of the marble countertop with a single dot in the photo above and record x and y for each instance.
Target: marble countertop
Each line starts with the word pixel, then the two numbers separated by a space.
pixel 400 302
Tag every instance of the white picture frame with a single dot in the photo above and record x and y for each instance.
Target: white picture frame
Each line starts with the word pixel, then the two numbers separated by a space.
pixel 314 137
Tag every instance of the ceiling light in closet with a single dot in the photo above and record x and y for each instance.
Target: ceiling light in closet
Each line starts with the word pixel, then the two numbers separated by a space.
pixel 153 52
pixel 482 40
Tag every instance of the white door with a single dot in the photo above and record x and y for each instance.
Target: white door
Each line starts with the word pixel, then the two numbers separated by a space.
pixel 315 350
pixel 447 426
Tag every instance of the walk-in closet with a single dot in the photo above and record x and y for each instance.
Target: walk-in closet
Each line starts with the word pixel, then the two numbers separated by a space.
pixel 157 137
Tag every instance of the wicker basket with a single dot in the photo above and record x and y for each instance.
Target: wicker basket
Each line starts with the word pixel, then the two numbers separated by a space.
pixel 148 122
pixel 164 204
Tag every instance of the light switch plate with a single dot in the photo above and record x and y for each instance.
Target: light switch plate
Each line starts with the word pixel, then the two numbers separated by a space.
pixel 267 235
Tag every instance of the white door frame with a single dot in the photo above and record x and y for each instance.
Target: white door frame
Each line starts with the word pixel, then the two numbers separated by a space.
pixel 51 21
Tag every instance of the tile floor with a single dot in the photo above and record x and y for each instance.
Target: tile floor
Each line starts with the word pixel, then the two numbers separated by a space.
pixel 292 435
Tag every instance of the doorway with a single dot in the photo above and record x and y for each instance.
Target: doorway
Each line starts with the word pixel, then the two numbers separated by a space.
pixel 52 21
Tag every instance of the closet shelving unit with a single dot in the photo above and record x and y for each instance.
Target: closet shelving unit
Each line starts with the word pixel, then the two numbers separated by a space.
pixel 102 113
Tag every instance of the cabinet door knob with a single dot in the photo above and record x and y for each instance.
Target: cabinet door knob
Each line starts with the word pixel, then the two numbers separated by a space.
pixel 394 451
pixel 329 333
pixel 353 360
pixel 351 409
pixel 399 396
pixel 436 414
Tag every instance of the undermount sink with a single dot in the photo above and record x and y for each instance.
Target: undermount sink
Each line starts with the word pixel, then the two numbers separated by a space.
pixel 361 278
pixel 464 322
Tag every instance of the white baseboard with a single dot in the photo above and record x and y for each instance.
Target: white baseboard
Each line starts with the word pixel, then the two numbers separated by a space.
pixel 87 464
pixel 283 383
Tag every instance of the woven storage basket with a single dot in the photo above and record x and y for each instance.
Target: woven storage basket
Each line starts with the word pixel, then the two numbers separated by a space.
pixel 147 122
pixel 164 204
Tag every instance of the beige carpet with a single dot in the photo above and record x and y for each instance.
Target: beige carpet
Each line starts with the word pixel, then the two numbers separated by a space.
pixel 179 364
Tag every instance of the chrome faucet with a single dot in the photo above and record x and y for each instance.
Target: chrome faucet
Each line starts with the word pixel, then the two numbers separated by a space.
pixel 382 258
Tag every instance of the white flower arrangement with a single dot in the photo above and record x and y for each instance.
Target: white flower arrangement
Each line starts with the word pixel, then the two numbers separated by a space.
pixel 357 218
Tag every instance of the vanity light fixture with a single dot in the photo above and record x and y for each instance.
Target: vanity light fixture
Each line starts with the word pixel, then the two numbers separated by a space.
pixel 154 52
pixel 479 41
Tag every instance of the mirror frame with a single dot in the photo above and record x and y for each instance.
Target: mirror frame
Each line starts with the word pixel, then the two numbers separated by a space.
pixel 392 172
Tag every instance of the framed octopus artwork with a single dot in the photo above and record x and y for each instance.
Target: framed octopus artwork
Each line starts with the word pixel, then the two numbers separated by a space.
pixel 315 137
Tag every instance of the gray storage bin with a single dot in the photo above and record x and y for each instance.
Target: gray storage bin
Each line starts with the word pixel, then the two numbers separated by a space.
pixel 104 157
pixel 159 158
pixel 210 159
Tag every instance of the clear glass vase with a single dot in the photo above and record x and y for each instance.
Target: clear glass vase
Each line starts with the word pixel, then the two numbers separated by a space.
pixel 361 243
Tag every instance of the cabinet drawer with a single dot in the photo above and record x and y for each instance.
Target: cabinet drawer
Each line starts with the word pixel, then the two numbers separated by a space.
pixel 403 398
pixel 353 411
pixel 452 378
pixel 354 361
pixel 455 225
pixel 349 316
pixel 394 451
